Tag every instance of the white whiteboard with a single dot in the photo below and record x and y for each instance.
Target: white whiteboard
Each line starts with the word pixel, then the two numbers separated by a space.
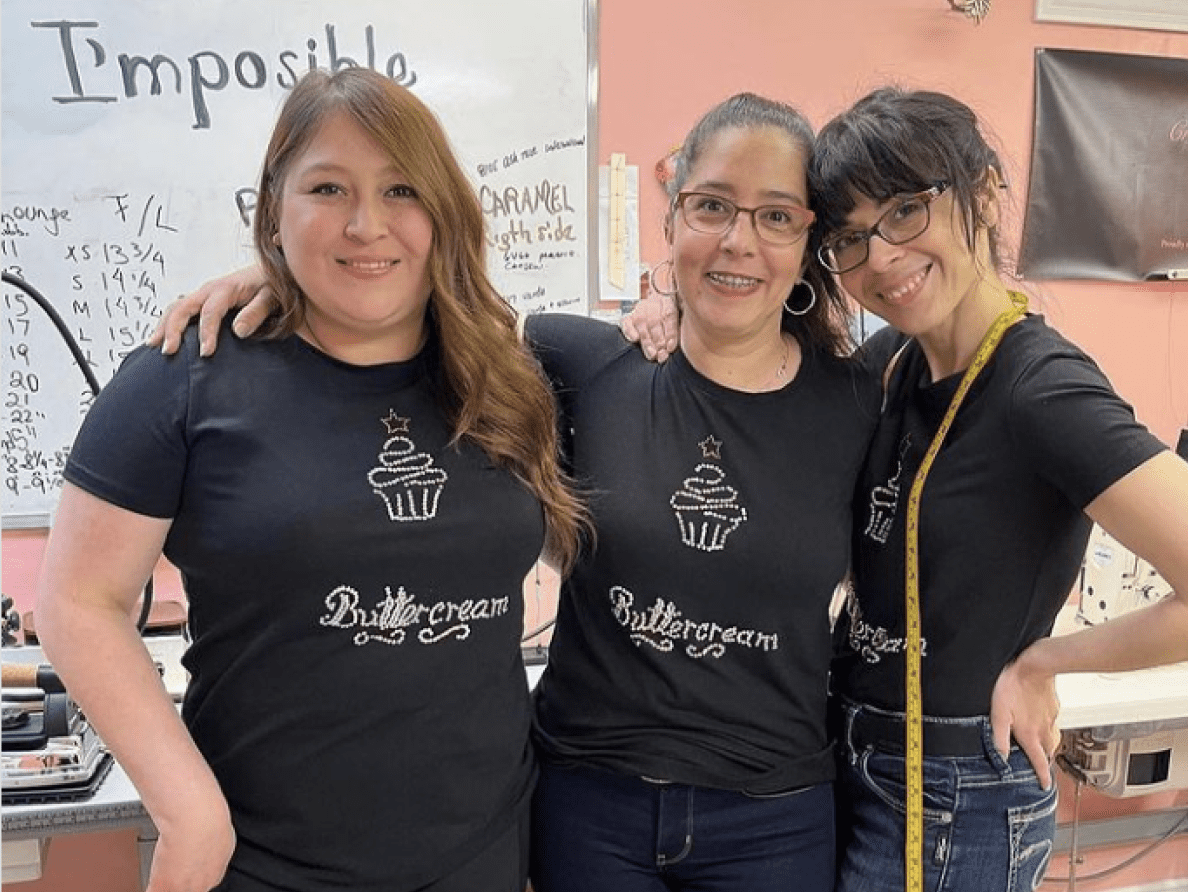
pixel 132 136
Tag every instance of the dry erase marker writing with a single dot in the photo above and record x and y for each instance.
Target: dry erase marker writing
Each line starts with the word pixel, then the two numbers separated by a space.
pixel 122 75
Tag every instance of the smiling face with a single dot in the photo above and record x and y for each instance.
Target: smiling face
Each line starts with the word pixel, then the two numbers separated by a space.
pixel 733 284
pixel 357 241
pixel 920 286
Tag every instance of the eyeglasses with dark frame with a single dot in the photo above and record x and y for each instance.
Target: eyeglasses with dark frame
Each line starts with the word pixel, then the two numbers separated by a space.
pixel 776 224
pixel 907 218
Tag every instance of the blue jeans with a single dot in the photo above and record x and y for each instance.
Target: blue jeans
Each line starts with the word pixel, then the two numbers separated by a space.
pixel 988 825
pixel 601 831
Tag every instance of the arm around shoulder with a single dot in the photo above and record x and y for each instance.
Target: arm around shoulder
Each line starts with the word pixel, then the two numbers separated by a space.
pixel 245 288
pixel 570 347
pixel 654 323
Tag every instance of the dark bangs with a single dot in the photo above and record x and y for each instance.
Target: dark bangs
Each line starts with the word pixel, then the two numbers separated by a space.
pixel 893 142
pixel 853 160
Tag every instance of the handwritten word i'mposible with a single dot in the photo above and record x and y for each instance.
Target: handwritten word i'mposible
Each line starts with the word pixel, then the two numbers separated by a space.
pixel 203 71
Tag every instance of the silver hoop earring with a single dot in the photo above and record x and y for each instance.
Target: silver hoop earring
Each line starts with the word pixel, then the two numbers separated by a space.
pixel 652 279
pixel 812 298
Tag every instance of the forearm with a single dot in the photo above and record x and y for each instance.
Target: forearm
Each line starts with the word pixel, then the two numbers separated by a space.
pixel 1025 705
pixel 1147 511
pixel 107 669
pixel 1153 636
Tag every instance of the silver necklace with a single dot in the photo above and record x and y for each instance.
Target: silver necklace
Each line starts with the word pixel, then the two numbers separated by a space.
pixel 779 372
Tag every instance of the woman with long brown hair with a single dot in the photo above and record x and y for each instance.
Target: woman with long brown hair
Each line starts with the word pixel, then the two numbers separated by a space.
pixel 353 500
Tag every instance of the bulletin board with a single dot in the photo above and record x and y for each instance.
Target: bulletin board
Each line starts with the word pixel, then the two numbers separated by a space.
pixel 132 136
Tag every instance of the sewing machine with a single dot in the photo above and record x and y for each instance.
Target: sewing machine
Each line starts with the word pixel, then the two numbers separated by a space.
pixel 1134 740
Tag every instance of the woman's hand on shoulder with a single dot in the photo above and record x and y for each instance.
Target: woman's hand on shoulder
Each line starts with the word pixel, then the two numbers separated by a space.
pixel 654 323
pixel 245 288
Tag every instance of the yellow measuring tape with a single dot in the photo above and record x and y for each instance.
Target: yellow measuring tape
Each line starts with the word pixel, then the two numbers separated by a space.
pixel 914 724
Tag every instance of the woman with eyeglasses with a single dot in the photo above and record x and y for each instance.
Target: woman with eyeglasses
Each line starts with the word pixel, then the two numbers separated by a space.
pixel 681 721
pixel 907 194
pixel 907 190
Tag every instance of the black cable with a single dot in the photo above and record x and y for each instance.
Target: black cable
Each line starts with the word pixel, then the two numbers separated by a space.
pixel 85 367
pixel 543 627
pixel 1122 865
pixel 1071 878
pixel 75 350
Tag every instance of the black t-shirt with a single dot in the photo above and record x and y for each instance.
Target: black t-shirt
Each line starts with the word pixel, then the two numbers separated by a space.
pixel 693 644
pixel 355 588
pixel 1002 532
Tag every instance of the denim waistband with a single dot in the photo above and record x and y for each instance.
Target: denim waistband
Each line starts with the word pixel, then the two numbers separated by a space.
pixel 867 726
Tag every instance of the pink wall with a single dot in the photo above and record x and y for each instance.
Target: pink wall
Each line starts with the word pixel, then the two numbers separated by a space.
pixel 88 862
pixel 663 63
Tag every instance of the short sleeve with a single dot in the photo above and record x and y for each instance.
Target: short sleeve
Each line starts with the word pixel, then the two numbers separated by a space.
pixel 572 348
pixel 131 448
pixel 1078 433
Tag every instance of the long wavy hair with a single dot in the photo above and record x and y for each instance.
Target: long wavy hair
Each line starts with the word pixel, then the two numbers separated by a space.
pixel 489 386
pixel 827 325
